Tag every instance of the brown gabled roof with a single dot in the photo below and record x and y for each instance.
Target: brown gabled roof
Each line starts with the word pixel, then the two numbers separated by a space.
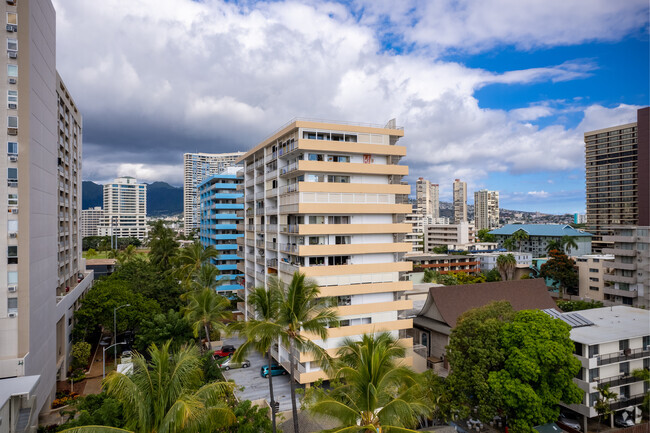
pixel 453 301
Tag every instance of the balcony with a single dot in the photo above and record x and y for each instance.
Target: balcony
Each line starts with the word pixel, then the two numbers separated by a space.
pixel 289 268
pixel 623 355
pixel 259 243
pixel 623 401
pixel 289 248
pixel 619 380
pixel 609 290
pixel 271 245
pixel 260 260
pixel 619 252
pixel 619 279
pixel 250 227
pixel 289 228
pixel 271 227
pixel 272 263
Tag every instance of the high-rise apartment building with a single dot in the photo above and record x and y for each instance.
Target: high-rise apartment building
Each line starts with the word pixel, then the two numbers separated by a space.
pixel 486 209
pixel 125 209
pixel 42 265
pixel 617 177
pixel 460 201
pixel 326 200
pixel 218 194
pixel 91 219
pixel 427 196
pixel 197 167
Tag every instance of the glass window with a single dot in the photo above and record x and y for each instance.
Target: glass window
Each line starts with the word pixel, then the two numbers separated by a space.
pixel 12 304
pixel 623 344
pixel 12 122
pixel 12 173
pixel 593 350
pixel 12 148
pixel 12 226
pixel 344 300
pixel 12 277
pixel 12 18
pixel 12 70
pixel 12 44
pixel 12 97
pixel 12 200
pixel 593 374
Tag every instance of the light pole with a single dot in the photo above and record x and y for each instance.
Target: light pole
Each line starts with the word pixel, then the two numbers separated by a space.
pixel 104 349
pixel 115 328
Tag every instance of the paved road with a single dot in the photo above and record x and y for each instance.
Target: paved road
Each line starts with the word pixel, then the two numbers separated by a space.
pixel 255 386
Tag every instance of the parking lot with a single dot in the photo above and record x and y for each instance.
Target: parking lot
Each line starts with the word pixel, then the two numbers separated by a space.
pixel 255 386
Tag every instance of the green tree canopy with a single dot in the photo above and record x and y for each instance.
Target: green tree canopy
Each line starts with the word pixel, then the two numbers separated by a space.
pixel 163 327
pixel 163 246
pixel 484 235
pixel 506 264
pixel 562 270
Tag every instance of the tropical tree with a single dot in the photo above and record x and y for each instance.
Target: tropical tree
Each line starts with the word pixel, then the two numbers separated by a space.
pixel 569 242
pixel 430 276
pixel 375 393
pixel 644 375
pixel 165 395
pixel 91 253
pixel 603 404
pixel 206 277
pixel 189 260
pixel 562 270
pixel 261 331
pixel 127 255
pixel 519 236
pixel 510 244
pixel 162 246
pixel 553 245
pixel 484 235
pixel 506 263
pixel 303 313
pixel 207 310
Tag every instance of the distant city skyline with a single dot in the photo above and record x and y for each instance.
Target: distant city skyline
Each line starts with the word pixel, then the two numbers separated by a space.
pixel 503 107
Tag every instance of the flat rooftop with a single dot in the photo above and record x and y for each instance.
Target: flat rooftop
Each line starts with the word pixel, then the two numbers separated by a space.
pixel 612 324
pixel 16 386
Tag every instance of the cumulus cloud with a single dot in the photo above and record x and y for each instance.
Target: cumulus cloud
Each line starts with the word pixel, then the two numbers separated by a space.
pixel 160 78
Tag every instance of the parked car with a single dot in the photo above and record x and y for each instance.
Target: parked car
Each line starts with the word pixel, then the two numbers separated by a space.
pixel 623 421
pixel 224 351
pixel 276 370
pixel 569 421
pixel 105 341
pixel 229 363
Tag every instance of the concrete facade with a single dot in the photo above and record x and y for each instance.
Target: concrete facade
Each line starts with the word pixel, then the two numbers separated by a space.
pixel 460 201
pixel 125 209
pixel 427 196
pixel 486 209
pixel 448 234
pixel 90 220
pixel 591 272
pixel 196 168
pixel 539 235
pixel 488 261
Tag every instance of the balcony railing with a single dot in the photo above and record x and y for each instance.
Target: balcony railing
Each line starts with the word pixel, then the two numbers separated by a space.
pixel 259 243
pixel 271 245
pixel 623 355
pixel 289 228
pixel 289 168
pixel 627 401
pixel 618 380
pixel 289 248
pixel 288 267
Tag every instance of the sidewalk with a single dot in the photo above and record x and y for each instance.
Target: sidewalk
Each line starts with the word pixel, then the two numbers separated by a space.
pixel 94 377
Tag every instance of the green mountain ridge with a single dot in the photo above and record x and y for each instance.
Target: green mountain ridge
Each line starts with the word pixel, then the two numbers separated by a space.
pixel 162 198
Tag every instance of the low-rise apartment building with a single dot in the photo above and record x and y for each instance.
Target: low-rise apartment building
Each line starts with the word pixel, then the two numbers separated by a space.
pixel 444 263
pixel 488 261
pixel 591 271
pixel 436 235
pixel 539 236
pixel 610 343
pixel 91 218
pixel 628 282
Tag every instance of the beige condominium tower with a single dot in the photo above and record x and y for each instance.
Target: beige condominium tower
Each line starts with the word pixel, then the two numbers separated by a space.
pixel 460 201
pixel 40 256
pixel 326 200
pixel 427 196
pixel 486 209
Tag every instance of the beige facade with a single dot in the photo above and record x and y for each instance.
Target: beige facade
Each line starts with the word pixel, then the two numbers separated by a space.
pixel 196 168
pixel 90 220
pixel 460 201
pixel 41 258
pixel 628 281
pixel 591 275
pixel 436 235
pixel 125 209
pixel 327 200
pixel 486 209
pixel 427 196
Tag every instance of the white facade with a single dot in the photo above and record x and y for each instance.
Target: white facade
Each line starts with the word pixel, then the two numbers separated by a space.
pixel 448 234
pixel 488 261
pixel 90 220
pixel 486 209
pixel 196 168
pixel 460 201
pixel 427 197
pixel 125 209
pixel 591 275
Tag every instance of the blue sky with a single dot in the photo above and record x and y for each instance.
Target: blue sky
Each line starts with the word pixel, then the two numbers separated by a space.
pixel 497 92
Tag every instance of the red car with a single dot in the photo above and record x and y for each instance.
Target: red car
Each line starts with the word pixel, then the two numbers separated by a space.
pixel 224 351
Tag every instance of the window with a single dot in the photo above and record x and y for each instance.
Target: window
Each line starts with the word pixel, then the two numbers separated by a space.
pixel 623 344
pixel 344 300
pixel 593 374
pixel 316 240
pixel 12 277
pixel 338 260
pixel 339 220
pixel 646 342
pixel 12 148
pixel 316 219
pixel 624 368
pixel 593 350
pixel 593 270
pixel 12 71
pixel 12 18
pixel 12 304
pixel 12 226
pixel 315 178
pixel 12 97
pixel 593 398
pixel 315 157
pixel 594 288
pixel 594 279
pixel 12 174
pixel 12 199
pixel 345 322
pixel 12 44
pixel 12 254
pixel 342 240
pixel 338 179
pixel 338 158
pixel 12 122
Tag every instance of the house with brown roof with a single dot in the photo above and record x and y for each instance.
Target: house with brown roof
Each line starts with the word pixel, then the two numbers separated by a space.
pixel 445 304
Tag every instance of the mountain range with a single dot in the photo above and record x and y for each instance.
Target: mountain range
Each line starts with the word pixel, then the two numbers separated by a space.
pixel 162 198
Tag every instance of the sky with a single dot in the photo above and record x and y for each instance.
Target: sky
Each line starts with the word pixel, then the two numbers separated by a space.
pixel 497 93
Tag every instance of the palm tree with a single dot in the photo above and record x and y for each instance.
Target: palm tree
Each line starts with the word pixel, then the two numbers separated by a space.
pixel 519 236
pixel 303 310
pixel 376 394
pixel 506 263
pixel 569 242
pixel 162 246
pixel 430 276
pixel 127 255
pixel 510 244
pixel 190 259
pixel 208 310
pixel 207 277
pixel 603 404
pixel 553 245
pixel 262 331
pixel 165 395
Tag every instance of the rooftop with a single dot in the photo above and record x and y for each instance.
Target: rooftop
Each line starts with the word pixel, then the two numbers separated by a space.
pixel 558 230
pixel 612 324
pixel 16 386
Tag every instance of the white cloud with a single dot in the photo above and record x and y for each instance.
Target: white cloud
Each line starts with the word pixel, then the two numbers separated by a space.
pixel 538 194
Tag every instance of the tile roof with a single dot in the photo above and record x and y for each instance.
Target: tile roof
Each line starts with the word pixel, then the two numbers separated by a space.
pixel 540 230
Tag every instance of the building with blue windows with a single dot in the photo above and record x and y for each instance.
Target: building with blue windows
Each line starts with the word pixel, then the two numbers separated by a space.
pixel 218 195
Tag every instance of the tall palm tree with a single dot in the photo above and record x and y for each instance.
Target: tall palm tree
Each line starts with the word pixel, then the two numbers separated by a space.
pixel 190 259
pixel 569 242
pixel 376 394
pixel 127 255
pixel 430 276
pixel 603 404
pixel 506 263
pixel 553 245
pixel 510 244
pixel 165 395
pixel 208 310
pixel 207 277
pixel 303 310
pixel 162 246
pixel 262 331
pixel 519 236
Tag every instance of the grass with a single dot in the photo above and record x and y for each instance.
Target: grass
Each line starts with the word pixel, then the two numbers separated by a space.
pixel 104 254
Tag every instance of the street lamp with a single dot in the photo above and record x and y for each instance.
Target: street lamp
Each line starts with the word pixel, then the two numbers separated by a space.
pixel 115 328
pixel 104 349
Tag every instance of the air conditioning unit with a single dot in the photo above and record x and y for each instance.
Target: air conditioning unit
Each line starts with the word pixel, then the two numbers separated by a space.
pixel 12 131
pixel 12 289
pixel 13 81
pixel 13 158
pixel 10 28
pixel 595 379
pixel 13 54
pixel 13 106
pixel 13 235
pixel 13 315
pixel 11 2
pixel 14 211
